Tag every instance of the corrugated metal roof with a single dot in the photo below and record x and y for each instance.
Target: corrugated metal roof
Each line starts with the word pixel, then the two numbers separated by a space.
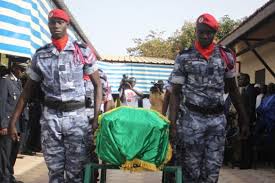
pixel 133 59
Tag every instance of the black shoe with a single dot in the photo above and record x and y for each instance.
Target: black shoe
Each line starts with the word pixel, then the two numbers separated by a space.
pixel 16 181
pixel 28 152
pixel 245 167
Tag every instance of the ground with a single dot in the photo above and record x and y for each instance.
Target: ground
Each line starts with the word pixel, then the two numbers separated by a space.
pixel 32 169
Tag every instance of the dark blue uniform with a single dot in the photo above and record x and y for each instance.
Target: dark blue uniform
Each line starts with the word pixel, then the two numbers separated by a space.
pixel 10 91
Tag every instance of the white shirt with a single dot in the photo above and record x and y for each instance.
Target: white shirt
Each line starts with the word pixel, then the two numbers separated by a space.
pixel 131 98
pixel 259 99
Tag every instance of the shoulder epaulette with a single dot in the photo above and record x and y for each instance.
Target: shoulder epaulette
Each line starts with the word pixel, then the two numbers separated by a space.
pixel 185 50
pixel 43 47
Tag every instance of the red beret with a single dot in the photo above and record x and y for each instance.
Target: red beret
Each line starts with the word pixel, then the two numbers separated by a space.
pixel 208 20
pixel 58 13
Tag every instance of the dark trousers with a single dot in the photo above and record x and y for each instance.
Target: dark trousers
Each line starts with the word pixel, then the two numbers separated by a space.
pixel 8 154
pixel 246 154
pixel 34 137
pixel 24 135
pixel 4 158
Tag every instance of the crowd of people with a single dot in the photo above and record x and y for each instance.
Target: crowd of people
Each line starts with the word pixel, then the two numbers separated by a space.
pixel 260 107
pixel 57 110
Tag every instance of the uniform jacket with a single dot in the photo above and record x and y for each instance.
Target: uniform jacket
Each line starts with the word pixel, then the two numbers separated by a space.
pixel 11 89
pixel 202 80
pixel 61 73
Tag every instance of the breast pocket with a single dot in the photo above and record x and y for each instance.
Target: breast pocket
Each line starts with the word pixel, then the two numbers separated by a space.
pixel 197 73
pixel 218 73
pixel 48 66
pixel 13 94
pixel 77 71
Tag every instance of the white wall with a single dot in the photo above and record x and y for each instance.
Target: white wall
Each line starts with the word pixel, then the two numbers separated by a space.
pixel 250 63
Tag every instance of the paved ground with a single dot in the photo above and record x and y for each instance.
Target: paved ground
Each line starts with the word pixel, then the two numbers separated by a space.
pixel 32 169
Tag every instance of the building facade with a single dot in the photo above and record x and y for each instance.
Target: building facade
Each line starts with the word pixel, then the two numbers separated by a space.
pixel 254 43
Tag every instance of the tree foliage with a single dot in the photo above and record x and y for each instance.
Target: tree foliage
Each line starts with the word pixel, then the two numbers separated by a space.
pixel 155 45
pixel 152 46
pixel 226 26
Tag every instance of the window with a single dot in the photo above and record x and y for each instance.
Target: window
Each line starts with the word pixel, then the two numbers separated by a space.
pixel 260 76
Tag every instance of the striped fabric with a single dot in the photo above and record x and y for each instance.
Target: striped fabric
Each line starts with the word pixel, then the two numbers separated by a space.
pixel 23 26
pixel 144 73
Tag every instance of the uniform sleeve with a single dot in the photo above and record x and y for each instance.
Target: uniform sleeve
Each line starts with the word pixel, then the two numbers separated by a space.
pixel 178 75
pixel 33 71
pixel 90 65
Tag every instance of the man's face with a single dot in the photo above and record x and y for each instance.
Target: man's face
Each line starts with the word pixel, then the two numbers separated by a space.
pixel 242 81
pixel 58 27
pixel 205 34
pixel 19 72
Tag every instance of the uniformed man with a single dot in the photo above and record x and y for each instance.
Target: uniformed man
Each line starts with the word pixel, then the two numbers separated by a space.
pixel 108 101
pixel 66 133
pixel 200 74
pixel 107 98
pixel 11 88
pixel 106 105
pixel 248 95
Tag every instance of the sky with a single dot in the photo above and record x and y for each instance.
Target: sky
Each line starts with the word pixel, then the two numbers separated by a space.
pixel 111 25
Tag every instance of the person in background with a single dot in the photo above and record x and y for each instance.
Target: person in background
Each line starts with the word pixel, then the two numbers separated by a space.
pixel 35 112
pixel 129 94
pixel 108 101
pixel 11 88
pixel 156 96
pixel 107 98
pixel 25 124
pixel 248 95
pixel 265 126
pixel 261 94
pixel 107 104
pixel 167 94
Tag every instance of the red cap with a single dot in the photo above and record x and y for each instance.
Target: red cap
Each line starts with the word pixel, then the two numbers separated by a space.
pixel 58 13
pixel 208 20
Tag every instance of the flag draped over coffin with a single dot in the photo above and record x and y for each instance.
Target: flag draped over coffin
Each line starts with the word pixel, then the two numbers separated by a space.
pixel 133 138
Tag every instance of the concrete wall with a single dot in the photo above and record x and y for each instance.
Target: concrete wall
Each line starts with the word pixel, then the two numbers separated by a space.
pixel 250 63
